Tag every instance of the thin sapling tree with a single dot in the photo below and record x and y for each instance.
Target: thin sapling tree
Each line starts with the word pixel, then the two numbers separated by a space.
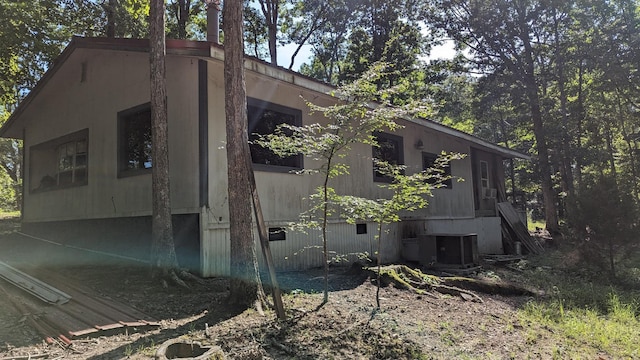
pixel 407 193
pixel 360 110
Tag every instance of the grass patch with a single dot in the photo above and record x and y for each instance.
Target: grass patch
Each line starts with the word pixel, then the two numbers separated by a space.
pixel 9 222
pixel 584 312
pixel 588 331
pixel 533 224
pixel 9 214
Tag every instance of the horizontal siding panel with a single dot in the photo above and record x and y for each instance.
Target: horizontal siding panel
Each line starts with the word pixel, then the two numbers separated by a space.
pixel 301 251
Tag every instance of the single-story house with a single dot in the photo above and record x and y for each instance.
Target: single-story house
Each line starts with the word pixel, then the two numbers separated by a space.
pixel 86 135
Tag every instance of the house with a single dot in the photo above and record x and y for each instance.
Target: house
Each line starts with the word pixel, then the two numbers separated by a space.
pixel 87 160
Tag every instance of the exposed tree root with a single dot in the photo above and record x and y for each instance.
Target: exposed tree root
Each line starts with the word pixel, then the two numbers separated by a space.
pixel 187 276
pixel 403 277
pixel 177 277
pixel 490 287
pixel 173 276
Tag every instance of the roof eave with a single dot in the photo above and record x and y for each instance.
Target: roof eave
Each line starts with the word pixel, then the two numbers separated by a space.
pixel 174 47
pixel 209 50
pixel 479 143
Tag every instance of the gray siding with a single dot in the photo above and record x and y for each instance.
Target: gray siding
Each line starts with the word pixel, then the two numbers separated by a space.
pixel 114 81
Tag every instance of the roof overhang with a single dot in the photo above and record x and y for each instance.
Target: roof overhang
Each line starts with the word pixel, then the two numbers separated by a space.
pixel 214 52
pixel 10 128
pixel 473 140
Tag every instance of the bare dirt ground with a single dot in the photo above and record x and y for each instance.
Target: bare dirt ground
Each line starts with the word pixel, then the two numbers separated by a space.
pixel 408 326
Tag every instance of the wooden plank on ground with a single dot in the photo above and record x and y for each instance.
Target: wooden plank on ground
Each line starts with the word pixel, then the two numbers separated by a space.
pixel 37 288
pixel 84 314
pixel 512 219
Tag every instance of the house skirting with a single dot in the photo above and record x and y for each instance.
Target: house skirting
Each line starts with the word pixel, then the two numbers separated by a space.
pixel 303 250
pixel 128 236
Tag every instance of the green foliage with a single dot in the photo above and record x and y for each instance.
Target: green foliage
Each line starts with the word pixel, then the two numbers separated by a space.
pixel 7 192
pixel 588 105
pixel 615 332
pixel 585 315
pixel 604 221
pixel 30 38
pixel 10 171
pixel 255 29
pixel 361 109
pixel 583 312
pixel 408 193
pixel 187 24
pixel 347 37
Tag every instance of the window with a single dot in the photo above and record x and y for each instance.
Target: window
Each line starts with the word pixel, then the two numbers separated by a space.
pixel 134 141
pixel 428 161
pixel 361 229
pixel 484 174
pixel 264 118
pixel 277 234
pixel 60 162
pixel 389 149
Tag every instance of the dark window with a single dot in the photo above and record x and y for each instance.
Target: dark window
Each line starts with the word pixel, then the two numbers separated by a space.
pixel 134 141
pixel 428 161
pixel 484 174
pixel 264 118
pixel 361 229
pixel 60 162
pixel 277 234
pixel 389 149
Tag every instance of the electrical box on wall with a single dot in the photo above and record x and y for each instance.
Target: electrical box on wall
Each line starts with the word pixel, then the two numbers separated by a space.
pixel 448 250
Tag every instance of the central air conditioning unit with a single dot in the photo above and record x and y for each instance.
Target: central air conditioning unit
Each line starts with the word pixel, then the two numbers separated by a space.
pixel 489 193
pixel 448 250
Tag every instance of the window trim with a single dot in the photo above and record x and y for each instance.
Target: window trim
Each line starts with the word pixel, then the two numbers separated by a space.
pixel 448 184
pixel 123 171
pixel 296 113
pixel 393 137
pixel 53 145
pixel 483 179
pixel 277 233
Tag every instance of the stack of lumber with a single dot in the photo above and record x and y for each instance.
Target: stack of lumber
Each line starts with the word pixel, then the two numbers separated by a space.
pixel 514 230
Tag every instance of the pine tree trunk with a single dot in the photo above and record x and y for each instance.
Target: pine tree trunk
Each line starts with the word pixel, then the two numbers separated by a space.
pixel 270 9
pixel 110 10
pixel 531 88
pixel 550 209
pixel 183 17
pixel 163 253
pixel 244 277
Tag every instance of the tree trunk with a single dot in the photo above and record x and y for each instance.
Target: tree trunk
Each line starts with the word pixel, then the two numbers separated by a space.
pixel 630 146
pixel 183 17
pixel 567 159
pixel 163 254
pixel 550 211
pixel 270 9
pixel 244 276
pixel 531 88
pixel 581 116
pixel 611 152
pixel 110 10
pixel 273 53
